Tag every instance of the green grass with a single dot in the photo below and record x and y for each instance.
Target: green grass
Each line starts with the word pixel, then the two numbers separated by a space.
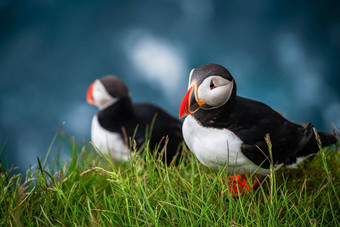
pixel 91 190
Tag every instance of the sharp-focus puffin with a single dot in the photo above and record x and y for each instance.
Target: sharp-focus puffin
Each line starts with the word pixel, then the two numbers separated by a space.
pixel 118 120
pixel 222 128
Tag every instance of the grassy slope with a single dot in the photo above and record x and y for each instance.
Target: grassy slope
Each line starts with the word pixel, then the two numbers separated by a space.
pixel 91 190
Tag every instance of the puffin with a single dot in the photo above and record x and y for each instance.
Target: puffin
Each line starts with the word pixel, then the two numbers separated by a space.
pixel 119 124
pixel 224 130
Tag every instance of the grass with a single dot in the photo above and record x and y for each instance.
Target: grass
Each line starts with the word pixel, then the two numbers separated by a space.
pixel 91 190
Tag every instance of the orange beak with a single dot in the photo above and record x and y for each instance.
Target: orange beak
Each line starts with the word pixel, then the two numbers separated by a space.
pixel 89 97
pixel 191 103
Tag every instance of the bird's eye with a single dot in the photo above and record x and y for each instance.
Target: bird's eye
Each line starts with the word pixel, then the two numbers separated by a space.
pixel 212 85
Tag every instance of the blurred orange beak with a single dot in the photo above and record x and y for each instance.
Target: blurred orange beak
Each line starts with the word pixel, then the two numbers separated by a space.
pixel 89 97
pixel 191 103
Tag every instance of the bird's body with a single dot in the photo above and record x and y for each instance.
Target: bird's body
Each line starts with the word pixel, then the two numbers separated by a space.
pixel 109 141
pixel 231 131
pixel 121 124
pixel 217 148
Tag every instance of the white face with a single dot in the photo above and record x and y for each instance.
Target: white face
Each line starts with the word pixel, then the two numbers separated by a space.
pixel 215 91
pixel 101 97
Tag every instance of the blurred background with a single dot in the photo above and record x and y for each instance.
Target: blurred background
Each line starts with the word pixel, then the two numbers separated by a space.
pixel 283 53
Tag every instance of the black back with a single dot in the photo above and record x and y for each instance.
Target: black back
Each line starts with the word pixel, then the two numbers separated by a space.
pixel 124 114
pixel 251 121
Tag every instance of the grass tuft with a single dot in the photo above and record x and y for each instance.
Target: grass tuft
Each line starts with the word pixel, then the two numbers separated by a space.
pixel 92 190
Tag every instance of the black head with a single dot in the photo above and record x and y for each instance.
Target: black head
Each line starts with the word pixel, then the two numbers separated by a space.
pixel 114 86
pixel 210 86
pixel 201 72
pixel 105 91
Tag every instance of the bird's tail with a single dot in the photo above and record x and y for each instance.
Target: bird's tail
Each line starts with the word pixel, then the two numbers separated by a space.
pixel 309 144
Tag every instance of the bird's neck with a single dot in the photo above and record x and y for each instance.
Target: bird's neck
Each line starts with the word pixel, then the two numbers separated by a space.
pixel 216 118
pixel 121 109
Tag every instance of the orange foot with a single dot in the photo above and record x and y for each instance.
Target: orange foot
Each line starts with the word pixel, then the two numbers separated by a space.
pixel 238 184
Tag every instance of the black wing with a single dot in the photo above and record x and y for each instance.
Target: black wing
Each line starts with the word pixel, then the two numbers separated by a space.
pixel 257 120
pixel 164 126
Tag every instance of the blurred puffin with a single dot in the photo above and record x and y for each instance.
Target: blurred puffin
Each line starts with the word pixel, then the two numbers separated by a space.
pixel 222 128
pixel 118 120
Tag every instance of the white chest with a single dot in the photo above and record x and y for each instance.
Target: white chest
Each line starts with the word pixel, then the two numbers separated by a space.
pixel 217 148
pixel 109 142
